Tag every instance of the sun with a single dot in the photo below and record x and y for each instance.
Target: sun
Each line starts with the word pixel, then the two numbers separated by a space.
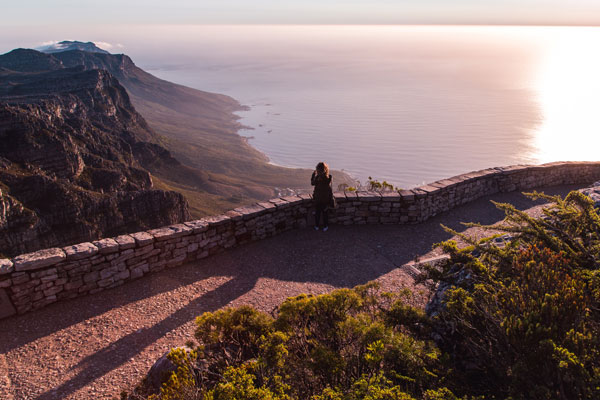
pixel 568 87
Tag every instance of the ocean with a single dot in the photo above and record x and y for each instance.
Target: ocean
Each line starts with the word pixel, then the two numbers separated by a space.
pixel 405 104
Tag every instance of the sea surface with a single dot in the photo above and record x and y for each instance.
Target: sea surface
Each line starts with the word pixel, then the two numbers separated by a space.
pixel 406 104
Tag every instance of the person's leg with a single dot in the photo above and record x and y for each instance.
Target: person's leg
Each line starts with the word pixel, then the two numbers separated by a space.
pixel 317 216
pixel 325 219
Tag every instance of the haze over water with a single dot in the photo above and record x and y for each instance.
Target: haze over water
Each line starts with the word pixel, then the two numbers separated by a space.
pixel 407 104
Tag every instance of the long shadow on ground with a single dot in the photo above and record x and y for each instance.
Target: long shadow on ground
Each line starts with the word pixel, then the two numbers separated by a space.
pixel 345 256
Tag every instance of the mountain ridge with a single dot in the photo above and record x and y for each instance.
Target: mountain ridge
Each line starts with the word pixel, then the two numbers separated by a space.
pixel 70 162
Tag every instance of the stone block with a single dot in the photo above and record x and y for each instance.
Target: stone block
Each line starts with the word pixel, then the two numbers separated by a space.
pixel 108 272
pixel 6 307
pixel 142 238
pixel 52 291
pixel 143 250
pixel 86 288
pixel 49 278
pixel 292 200
pixel 20 277
pixel 104 283
pixel 122 275
pixel 80 251
pixel 428 189
pixel 265 205
pixel 136 273
pixel 106 246
pixel 91 277
pixel 6 266
pixel 391 196
pixel 198 226
pixel 512 169
pixel 38 259
pixel 125 242
pixel 306 198
pixel 234 215
pixel 124 256
pixel 418 193
pixel 175 261
pixel 216 220
pixel 73 285
pixel 252 211
pixel 279 203
pixel 171 232
pixel 368 196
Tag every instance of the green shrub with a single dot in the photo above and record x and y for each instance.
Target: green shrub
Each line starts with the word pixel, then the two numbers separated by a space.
pixel 520 321
pixel 524 321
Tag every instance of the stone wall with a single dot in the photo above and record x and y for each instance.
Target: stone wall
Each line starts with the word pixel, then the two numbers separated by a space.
pixel 34 280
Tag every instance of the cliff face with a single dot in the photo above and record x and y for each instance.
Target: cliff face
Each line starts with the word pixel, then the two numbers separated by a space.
pixel 74 160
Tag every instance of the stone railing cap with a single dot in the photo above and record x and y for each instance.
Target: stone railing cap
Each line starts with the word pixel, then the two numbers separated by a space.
pixel 292 199
pixel 253 210
pixel 216 220
pixel 198 225
pixel 368 196
pixel 125 242
pixel 407 195
pixel 279 202
pixel 38 259
pixel 142 238
pixel 428 189
pixel 171 232
pixel 265 205
pixel 107 245
pixel 305 196
pixel 80 250
pixel 390 195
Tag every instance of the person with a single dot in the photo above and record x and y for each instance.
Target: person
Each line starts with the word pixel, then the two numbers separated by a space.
pixel 322 194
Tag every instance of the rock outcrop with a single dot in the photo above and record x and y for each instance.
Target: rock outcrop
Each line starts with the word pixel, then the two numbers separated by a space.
pixel 74 157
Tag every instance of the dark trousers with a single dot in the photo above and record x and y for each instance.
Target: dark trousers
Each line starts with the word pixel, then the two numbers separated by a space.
pixel 321 209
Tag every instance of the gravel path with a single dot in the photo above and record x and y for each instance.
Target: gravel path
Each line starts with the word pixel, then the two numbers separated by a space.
pixel 95 346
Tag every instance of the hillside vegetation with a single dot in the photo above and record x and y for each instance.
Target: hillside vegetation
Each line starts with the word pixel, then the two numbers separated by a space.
pixel 518 321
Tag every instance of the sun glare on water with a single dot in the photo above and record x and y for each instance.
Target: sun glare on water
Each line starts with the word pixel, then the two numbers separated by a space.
pixel 568 86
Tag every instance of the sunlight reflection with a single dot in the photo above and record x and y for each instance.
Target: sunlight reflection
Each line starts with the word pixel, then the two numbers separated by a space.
pixel 569 95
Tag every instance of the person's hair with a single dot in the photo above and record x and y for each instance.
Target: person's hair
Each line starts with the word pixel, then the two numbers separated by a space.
pixel 322 169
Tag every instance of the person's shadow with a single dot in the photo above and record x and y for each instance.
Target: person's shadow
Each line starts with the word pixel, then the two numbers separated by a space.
pixel 345 256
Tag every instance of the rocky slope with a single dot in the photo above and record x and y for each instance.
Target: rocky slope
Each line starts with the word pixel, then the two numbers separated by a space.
pixel 75 158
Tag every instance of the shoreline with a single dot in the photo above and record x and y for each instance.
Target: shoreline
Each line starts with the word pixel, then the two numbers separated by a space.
pixel 345 176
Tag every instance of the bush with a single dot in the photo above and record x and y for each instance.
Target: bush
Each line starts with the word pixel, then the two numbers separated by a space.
pixel 515 322
pixel 524 320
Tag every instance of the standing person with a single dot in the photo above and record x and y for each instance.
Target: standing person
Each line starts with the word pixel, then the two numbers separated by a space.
pixel 322 195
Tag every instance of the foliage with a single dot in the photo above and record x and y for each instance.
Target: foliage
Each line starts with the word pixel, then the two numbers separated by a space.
pixel 519 321
pixel 182 383
pixel 375 185
pixel 524 320
pixel 349 344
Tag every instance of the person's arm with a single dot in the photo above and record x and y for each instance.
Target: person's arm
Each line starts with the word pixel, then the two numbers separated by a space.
pixel 312 179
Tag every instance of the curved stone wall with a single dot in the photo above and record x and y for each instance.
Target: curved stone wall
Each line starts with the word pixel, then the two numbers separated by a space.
pixel 34 280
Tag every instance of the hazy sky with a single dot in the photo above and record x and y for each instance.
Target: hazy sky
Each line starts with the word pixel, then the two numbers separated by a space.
pixel 537 12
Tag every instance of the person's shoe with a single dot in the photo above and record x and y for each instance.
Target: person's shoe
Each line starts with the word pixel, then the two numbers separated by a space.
pixel 316 228
pixel 325 229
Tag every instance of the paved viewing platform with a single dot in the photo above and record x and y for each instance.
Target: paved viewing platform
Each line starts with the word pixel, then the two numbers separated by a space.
pixel 97 345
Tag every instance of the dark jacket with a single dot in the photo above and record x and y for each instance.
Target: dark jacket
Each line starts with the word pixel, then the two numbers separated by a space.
pixel 323 192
